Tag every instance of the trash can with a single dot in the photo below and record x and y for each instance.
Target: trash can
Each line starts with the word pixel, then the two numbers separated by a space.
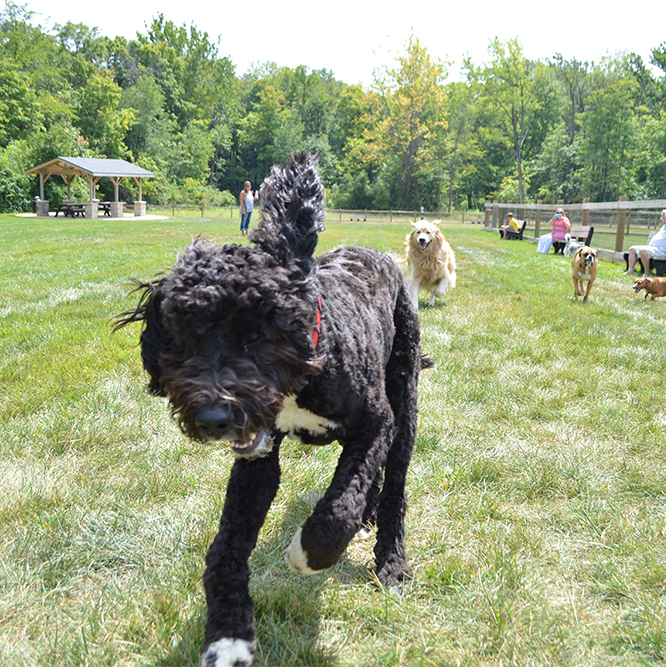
pixel 34 204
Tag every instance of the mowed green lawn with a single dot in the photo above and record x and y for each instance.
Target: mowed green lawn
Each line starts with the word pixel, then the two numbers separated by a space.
pixel 537 521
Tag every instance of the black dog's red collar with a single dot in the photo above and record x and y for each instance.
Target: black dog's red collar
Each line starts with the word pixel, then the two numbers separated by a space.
pixel 317 329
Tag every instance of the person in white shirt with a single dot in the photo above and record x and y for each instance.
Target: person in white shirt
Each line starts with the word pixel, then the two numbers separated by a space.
pixel 656 248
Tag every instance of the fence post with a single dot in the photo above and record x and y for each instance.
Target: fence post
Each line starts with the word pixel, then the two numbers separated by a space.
pixel 486 220
pixel 586 212
pixel 339 215
pixel 537 219
pixel 621 220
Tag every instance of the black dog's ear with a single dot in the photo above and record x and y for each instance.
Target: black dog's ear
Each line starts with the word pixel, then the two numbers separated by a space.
pixel 154 338
pixel 292 205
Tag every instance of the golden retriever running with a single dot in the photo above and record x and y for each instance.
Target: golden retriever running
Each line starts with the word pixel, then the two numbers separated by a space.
pixel 432 264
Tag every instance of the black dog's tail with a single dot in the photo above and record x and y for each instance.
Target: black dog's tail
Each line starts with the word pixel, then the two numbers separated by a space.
pixel 427 362
pixel 292 205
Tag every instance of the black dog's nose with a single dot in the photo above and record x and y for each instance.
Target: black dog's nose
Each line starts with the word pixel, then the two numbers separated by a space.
pixel 213 421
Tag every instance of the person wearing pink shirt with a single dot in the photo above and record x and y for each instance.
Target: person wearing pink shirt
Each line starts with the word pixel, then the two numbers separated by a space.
pixel 561 226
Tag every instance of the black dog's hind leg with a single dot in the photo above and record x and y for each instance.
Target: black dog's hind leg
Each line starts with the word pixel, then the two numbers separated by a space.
pixel 370 512
pixel 402 389
pixel 338 516
pixel 230 636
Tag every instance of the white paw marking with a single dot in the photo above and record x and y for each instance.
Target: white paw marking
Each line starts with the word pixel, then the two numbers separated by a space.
pixel 228 653
pixel 296 558
pixel 292 418
pixel 364 533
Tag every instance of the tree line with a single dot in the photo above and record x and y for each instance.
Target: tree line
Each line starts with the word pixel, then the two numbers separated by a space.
pixel 512 129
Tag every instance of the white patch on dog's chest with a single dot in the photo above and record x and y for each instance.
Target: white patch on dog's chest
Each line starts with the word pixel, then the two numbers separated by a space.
pixel 293 419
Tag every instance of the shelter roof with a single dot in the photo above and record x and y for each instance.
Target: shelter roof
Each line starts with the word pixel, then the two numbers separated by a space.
pixel 85 166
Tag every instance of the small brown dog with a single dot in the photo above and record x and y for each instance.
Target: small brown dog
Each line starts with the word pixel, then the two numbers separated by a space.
pixel 653 286
pixel 584 269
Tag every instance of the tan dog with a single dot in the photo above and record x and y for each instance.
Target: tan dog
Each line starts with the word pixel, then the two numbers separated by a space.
pixel 652 286
pixel 584 269
pixel 432 264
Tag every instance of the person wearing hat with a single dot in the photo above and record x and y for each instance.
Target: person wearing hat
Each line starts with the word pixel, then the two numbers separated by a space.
pixel 511 223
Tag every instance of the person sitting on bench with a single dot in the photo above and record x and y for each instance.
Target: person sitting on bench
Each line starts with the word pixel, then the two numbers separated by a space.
pixel 561 226
pixel 655 248
pixel 511 223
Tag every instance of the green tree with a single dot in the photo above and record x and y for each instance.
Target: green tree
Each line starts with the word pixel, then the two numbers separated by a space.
pixel 102 121
pixel 19 108
pixel 411 123
pixel 152 131
pixel 509 82
pixel 609 136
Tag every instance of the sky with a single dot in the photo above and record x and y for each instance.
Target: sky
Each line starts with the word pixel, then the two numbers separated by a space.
pixel 353 38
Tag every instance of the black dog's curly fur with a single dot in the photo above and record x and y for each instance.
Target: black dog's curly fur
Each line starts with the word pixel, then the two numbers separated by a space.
pixel 229 338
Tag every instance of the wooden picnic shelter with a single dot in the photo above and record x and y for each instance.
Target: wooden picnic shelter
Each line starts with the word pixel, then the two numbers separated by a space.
pixel 91 169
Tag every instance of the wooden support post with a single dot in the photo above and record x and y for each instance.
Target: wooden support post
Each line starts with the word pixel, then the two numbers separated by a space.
pixel 486 221
pixel 537 221
pixel 621 221
pixel 586 212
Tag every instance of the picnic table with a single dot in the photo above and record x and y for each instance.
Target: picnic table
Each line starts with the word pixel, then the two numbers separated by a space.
pixel 72 210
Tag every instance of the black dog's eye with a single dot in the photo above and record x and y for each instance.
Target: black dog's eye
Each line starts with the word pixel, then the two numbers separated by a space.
pixel 253 337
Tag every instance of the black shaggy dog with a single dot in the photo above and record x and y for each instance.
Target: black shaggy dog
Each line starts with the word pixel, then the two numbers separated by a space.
pixel 250 344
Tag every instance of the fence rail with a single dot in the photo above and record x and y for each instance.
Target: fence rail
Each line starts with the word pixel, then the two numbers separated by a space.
pixel 335 214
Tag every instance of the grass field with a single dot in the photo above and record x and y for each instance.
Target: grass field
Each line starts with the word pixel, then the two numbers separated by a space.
pixel 537 521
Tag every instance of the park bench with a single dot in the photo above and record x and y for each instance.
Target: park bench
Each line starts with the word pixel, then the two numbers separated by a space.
pixel 104 207
pixel 513 234
pixel 658 264
pixel 577 232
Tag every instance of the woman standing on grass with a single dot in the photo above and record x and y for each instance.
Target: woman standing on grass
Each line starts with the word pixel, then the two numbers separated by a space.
pixel 246 208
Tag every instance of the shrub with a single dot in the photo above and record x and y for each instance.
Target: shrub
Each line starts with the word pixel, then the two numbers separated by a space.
pixel 14 182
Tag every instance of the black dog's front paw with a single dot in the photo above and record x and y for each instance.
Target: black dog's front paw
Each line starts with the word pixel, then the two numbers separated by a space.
pixel 393 573
pixel 228 653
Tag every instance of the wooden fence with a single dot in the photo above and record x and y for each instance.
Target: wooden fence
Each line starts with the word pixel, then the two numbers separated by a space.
pixel 332 214
pixel 617 219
